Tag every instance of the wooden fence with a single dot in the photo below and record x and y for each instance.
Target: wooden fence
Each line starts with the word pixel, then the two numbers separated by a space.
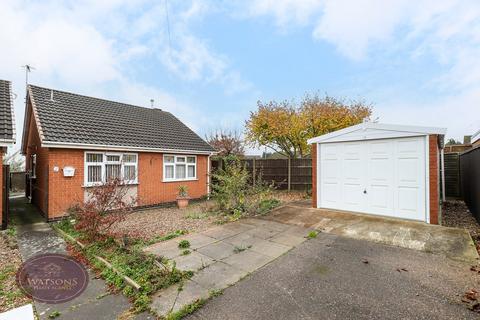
pixel 452 175
pixel 470 177
pixel 285 174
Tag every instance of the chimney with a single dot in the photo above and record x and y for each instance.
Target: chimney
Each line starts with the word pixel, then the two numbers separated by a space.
pixel 51 95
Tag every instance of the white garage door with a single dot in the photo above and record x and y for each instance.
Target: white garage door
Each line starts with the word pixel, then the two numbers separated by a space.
pixel 384 177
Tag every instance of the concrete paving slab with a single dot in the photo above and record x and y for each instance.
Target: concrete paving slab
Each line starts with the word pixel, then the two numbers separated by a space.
pixel 262 232
pixel 243 240
pixel 288 239
pixel 168 249
pixel 248 260
pixel 273 225
pixel 218 250
pixel 193 261
pixel 163 301
pixel 222 232
pixel 269 248
pixel 218 276
pixel 197 240
pixel 189 293
pixel 452 242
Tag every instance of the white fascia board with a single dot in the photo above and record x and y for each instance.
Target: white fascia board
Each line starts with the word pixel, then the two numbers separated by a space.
pixel 86 146
pixel 409 130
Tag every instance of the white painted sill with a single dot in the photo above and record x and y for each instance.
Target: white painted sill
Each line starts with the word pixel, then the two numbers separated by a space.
pixel 99 185
pixel 179 180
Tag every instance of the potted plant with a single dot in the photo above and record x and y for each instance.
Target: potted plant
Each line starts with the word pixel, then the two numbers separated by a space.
pixel 182 198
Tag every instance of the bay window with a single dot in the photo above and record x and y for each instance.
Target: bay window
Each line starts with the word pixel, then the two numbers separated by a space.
pixel 179 167
pixel 101 167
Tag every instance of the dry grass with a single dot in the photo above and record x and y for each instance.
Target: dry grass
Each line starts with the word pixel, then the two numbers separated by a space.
pixel 10 295
pixel 156 222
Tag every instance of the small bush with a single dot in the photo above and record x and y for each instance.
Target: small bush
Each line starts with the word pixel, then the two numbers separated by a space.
pixel 184 244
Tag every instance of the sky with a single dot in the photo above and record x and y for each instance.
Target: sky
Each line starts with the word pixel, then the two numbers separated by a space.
pixel 210 61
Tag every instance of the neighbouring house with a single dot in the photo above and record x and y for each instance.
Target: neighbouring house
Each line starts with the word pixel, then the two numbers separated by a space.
pixel 74 142
pixel 7 139
pixel 475 140
pixel 459 147
pixel 379 169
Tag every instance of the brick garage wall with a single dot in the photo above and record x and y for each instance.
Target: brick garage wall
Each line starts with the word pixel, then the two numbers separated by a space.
pixel 434 178
pixel 40 184
pixel 151 189
pixel 314 174
pixel 64 191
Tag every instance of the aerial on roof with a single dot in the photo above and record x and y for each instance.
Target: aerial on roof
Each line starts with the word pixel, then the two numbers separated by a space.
pixel 7 126
pixel 72 120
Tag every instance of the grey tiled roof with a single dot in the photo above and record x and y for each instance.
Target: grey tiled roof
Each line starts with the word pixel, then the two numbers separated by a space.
pixel 77 119
pixel 6 107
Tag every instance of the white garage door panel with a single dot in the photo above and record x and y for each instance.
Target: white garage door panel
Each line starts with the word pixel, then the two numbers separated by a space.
pixel 383 177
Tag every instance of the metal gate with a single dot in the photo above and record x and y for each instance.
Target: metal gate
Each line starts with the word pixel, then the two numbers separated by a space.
pixel 5 195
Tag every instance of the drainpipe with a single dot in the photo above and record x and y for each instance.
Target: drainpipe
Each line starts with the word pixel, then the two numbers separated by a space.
pixel 208 176
pixel 442 163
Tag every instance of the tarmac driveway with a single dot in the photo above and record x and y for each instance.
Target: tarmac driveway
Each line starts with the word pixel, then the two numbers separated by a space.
pixel 335 277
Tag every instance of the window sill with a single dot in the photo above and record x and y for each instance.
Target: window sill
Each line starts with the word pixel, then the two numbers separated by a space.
pixel 101 184
pixel 179 180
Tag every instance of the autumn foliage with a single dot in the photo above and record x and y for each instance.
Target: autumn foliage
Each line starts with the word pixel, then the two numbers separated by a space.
pixel 286 126
pixel 106 205
pixel 226 142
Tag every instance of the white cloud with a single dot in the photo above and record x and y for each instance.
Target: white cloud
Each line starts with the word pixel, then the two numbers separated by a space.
pixel 86 47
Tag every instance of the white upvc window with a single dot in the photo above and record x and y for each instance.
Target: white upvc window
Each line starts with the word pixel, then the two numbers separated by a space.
pixel 179 167
pixel 101 167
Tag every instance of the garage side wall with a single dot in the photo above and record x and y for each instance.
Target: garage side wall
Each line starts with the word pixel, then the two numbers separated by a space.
pixel 314 174
pixel 434 179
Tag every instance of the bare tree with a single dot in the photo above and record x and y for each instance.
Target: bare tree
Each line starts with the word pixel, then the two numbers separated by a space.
pixel 226 142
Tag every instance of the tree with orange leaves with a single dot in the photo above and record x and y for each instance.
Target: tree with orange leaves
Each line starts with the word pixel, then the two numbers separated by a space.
pixel 286 126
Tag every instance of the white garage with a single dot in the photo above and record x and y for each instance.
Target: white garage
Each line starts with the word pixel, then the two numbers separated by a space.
pixel 379 169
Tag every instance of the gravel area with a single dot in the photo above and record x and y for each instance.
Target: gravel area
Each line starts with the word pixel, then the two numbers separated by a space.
pixel 150 223
pixel 10 295
pixel 456 214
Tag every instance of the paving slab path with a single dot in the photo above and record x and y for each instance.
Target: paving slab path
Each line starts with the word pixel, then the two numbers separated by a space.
pixel 222 256
pixel 37 237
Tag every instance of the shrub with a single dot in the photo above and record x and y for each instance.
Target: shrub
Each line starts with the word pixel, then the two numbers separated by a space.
pixel 183 191
pixel 105 206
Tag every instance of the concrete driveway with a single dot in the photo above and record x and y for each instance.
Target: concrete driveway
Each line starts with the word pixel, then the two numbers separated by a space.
pixel 452 242
pixel 334 277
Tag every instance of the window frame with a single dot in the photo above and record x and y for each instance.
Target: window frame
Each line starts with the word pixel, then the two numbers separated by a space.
pixel 104 164
pixel 174 165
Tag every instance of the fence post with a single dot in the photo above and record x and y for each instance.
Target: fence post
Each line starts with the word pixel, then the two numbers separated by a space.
pixel 289 173
pixel 253 171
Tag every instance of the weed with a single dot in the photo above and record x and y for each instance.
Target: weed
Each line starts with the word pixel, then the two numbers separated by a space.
pixel 186 252
pixel 54 314
pixel 184 244
pixel 186 310
pixel 239 249
pixel 312 234
pixel 215 292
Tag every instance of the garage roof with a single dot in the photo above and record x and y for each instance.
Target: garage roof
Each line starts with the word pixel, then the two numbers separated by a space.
pixel 373 130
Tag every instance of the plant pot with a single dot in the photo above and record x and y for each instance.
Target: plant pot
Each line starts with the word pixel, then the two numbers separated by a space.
pixel 182 203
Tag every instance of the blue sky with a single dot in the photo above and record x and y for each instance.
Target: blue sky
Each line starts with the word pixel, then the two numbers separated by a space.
pixel 417 62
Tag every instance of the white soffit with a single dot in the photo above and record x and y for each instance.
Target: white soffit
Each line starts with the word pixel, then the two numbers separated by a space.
pixel 372 131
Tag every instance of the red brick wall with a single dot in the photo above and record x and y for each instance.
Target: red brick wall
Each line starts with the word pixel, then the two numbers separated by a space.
pixel 64 191
pixel 40 184
pixel 314 174
pixel 151 189
pixel 433 176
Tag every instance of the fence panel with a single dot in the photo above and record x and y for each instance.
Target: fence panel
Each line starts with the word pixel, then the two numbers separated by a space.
pixel 470 177
pixel 452 175
pixel 17 181
pixel 276 171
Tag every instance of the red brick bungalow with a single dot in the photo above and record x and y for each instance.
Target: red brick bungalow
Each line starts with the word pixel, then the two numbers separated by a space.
pixel 7 137
pixel 73 142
